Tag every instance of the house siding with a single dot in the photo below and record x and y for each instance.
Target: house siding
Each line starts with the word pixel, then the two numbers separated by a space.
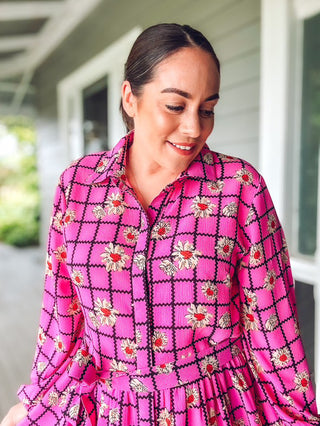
pixel 233 27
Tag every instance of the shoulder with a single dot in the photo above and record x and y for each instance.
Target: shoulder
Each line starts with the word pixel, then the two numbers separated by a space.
pixel 234 177
pixel 233 170
pixel 80 170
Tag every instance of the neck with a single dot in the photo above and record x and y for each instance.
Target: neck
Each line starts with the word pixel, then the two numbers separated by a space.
pixel 146 177
pixel 142 166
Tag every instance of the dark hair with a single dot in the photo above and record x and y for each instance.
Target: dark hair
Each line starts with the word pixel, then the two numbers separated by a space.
pixel 153 45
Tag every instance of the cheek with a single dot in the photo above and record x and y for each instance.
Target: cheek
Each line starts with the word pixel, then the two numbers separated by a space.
pixel 166 122
pixel 208 127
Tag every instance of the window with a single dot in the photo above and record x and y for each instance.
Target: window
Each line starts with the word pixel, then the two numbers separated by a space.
pixel 88 101
pixel 95 116
pixel 310 138
pixel 306 315
pixel 289 147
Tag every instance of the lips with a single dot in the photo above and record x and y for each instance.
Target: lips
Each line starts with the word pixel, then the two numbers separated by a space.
pixel 184 149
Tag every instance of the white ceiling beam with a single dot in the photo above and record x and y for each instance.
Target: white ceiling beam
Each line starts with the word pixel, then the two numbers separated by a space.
pixel 26 110
pixel 14 66
pixel 53 33
pixel 7 87
pixel 21 90
pixel 306 8
pixel 21 10
pixel 57 29
pixel 9 44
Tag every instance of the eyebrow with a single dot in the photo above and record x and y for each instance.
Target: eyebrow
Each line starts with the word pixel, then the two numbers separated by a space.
pixel 186 94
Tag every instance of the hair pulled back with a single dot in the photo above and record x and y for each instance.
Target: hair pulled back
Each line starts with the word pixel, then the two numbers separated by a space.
pixel 152 46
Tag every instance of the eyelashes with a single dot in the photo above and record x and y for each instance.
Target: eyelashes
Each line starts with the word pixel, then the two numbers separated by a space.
pixel 175 108
pixel 205 113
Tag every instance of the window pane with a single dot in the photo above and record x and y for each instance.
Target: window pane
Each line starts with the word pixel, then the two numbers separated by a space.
pixel 310 137
pixel 95 116
pixel 305 308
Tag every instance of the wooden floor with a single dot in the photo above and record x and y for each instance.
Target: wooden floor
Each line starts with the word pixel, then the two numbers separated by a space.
pixel 21 286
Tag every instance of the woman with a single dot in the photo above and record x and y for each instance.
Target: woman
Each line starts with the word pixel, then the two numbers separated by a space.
pixel 168 297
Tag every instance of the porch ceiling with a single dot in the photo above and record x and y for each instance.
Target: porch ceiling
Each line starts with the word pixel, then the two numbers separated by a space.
pixel 29 32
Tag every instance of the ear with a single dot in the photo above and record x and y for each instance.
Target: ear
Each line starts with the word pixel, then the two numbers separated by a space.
pixel 129 100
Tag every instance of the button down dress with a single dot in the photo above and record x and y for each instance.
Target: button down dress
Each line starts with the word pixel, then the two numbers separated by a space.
pixel 184 314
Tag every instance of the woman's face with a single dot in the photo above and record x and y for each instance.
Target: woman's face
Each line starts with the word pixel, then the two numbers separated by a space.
pixel 173 116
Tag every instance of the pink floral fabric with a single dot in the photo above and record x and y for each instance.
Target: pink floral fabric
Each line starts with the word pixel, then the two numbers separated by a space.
pixel 184 314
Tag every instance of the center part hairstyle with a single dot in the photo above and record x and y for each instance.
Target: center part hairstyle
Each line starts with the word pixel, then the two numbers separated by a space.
pixel 153 45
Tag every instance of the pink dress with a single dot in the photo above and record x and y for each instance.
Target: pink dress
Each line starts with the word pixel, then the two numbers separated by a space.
pixel 181 315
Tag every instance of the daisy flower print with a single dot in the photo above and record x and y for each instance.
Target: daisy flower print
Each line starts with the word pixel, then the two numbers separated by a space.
pixel 99 212
pixel 224 247
pixel 114 257
pixel 256 254
pixel 61 253
pixel 165 368
pixel 244 176
pixel 161 230
pixel 75 307
pixel 82 357
pixel 58 221
pixel 239 382
pixel 106 313
pixel 192 395
pixel 186 255
pixel 58 344
pixel 115 204
pixel 270 280
pixel 131 235
pixel 41 336
pixel 129 348
pixel 168 267
pixel 140 261
pixel 230 209
pixel 49 267
pixel 114 415
pixel 215 186
pixel 281 357
pixel 272 223
pixel 159 341
pixel 102 165
pixel 69 217
pixel 202 207
pixel 77 278
pixel 209 364
pixel 210 290
pixel 249 319
pixel 302 381
pixel 198 316
pixel 165 418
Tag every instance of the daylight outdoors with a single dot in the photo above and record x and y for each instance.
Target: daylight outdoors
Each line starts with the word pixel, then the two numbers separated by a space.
pixel 61 70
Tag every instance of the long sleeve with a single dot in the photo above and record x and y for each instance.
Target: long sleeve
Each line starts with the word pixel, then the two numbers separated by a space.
pixel 61 318
pixel 268 310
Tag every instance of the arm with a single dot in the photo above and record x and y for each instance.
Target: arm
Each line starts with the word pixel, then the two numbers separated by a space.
pixel 271 334
pixel 61 319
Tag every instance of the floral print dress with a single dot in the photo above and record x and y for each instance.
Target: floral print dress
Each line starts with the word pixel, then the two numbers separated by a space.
pixel 181 315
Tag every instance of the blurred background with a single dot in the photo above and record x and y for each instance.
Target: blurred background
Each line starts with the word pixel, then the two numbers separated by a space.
pixel 61 68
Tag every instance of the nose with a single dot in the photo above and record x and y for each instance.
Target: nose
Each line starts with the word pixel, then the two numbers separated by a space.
pixel 190 124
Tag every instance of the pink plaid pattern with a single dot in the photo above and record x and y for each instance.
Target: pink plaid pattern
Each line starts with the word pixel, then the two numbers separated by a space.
pixel 181 315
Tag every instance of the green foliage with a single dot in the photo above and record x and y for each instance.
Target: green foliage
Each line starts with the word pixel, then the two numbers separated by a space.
pixel 19 192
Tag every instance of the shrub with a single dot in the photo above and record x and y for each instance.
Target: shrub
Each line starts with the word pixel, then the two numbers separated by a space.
pixel 19 192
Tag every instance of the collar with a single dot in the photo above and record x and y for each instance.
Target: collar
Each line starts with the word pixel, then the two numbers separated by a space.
pixel 112 164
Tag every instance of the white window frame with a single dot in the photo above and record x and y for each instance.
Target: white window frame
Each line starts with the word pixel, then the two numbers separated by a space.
pixel 110 63
pixel 281 71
